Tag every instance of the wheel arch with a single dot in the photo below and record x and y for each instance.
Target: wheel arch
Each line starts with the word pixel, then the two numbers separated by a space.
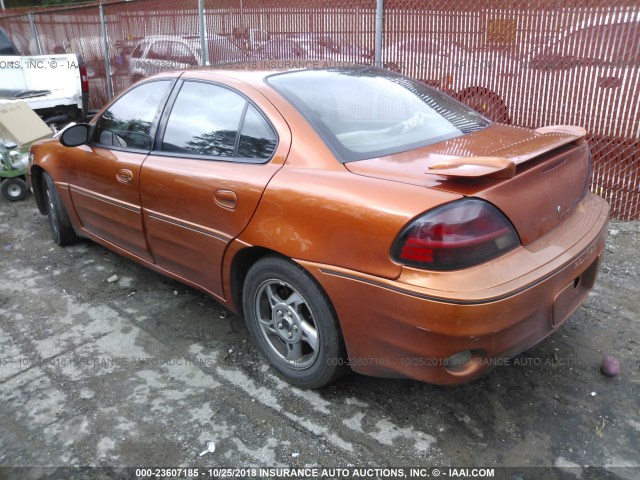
pixel 36 185
pixel 499 105
pixel 242 262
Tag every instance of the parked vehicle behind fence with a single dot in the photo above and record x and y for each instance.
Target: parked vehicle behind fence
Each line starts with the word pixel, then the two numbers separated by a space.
pixel 159 53
pixel 562 79
pixel 312 47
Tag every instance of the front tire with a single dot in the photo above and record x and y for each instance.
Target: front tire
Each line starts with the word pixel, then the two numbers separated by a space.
pixel 293 324
pixel 61 228
pixel 14 189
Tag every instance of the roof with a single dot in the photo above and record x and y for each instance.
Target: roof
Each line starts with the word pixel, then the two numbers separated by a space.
pixel 255 71
pixel 183 37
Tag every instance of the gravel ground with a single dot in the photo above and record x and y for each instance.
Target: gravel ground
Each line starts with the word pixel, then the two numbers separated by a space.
pixel 144 371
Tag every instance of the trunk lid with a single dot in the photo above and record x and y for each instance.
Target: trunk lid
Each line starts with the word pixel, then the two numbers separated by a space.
pixel 535 177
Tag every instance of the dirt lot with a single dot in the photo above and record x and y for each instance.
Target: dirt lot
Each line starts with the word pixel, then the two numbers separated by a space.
pixel 145 371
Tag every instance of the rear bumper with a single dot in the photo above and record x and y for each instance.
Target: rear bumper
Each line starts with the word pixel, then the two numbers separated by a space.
pixel 407 327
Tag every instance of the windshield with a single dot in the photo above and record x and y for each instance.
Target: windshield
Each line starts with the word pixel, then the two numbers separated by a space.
pixel 368 113
pixel 6 47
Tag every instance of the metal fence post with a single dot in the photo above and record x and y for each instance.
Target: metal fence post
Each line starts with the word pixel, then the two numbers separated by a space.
pixel 379 25
pixel 34 33
pixel 107 66
pixel 204 46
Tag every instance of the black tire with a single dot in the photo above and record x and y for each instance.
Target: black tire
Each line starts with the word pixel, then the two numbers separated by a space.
pixel 300 336
pixel 61 228
pixel 14 189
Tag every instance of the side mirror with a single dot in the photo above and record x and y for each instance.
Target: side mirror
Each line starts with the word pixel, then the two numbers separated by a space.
pixel 75 135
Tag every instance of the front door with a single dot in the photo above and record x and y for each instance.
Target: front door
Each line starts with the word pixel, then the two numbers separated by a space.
pixel 104 176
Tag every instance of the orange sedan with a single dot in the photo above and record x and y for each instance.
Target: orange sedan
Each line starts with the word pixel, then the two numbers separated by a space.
pixel 356 218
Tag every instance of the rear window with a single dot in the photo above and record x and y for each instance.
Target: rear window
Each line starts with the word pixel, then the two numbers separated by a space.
pixel 368 113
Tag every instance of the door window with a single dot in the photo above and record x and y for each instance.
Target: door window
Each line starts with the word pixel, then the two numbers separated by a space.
pixel 128 122
pixel 205 120
pixel 257 139
pixel 180 53
pixel 137 52
pixel 160 50
pixel 222 50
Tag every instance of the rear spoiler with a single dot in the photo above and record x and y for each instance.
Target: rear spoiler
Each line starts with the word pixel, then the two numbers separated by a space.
pixel 549 138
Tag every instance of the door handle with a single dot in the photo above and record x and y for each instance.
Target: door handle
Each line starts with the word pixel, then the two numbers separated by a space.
pixel 125 176
pixel 226 199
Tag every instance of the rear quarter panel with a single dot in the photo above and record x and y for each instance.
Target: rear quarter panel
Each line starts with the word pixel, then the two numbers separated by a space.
pixel 337 218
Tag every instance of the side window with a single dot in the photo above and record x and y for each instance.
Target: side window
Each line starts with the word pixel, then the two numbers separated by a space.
pixel 137 52
pixel 159 50
pixel 180 53
pixel 222 50
pixel 204 120
pixel 281 49
pixel 603 45
pixel 127 124
pixel 257 139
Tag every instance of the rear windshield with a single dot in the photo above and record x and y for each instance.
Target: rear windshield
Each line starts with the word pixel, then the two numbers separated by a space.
pixel 368 113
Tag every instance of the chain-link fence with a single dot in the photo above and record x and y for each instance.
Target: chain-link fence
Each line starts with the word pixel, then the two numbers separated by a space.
pixel 527 63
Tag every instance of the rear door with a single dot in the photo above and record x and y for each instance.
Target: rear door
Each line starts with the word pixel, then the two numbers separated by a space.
pixel 104 177
pixel 215 154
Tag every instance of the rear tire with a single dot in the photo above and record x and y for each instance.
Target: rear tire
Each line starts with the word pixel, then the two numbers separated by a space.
pixel 14 189
pixel 61 228
pixel 293 324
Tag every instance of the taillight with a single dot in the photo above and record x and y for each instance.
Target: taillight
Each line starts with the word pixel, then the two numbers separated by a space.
pixel 84 79
pixel 456 235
